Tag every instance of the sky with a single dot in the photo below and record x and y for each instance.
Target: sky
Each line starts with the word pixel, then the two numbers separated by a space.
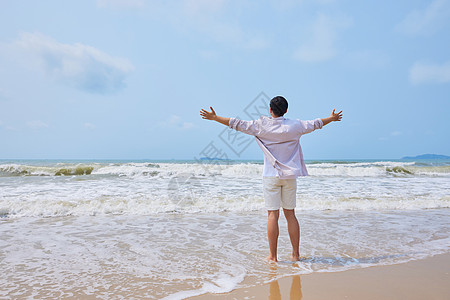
pixel 126 79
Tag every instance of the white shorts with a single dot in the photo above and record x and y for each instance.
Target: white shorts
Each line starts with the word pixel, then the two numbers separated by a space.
pixel 279 192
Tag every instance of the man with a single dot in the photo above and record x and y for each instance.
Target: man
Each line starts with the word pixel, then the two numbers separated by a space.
pixel 279 139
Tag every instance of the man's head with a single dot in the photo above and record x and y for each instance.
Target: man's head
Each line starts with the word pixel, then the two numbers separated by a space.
pixel 279 106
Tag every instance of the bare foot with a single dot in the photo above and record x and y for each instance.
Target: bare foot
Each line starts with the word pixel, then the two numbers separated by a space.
pixel 295 258
pixel 271 258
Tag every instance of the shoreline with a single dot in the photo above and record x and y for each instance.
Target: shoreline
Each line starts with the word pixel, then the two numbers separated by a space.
pixel 426 278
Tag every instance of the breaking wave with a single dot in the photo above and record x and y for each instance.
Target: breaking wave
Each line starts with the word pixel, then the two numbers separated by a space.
pixel 335 168
pixel 146 188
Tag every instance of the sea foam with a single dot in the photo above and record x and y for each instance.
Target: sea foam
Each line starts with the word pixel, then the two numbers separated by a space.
pixel 145 188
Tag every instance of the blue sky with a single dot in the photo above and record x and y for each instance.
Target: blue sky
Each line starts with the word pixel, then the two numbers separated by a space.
pixel 116 79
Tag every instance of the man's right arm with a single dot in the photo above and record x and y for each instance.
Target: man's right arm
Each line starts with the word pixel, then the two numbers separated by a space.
pixel 248 127
pixel 211 115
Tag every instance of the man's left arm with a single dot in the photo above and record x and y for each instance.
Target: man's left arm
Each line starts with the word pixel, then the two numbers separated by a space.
pixel 333 117
pixel 311 125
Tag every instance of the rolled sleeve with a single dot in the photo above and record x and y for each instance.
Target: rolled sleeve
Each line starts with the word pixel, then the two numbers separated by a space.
pixel 310 126
pixel 232 123
pixel 318 123
pixel 248 127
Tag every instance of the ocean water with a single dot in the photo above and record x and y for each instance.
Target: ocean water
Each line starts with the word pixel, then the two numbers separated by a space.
pixel 181 228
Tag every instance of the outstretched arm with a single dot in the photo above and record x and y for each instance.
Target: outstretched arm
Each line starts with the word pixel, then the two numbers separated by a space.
pixel 211 115
pixel 332 117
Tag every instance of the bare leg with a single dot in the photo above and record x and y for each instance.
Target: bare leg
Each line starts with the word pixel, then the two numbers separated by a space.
pixel 272 233
pixel 294 232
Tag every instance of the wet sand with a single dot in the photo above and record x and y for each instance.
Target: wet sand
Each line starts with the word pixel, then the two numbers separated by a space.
pixel 422 279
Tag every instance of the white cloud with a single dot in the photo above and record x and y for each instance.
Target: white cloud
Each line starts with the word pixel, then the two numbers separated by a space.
pixel 257 43
pixel 203 7
pixel 219 20
pixel 320 44
pixel 325 1
pixel 175 122
pixel 208 17
pixel 208 54
pixel 120 4
pixel 37 124
pixel 284 4
pixel 89 126
pixel 4 95
pixel 422 72
pixel 290 4
pixel 187 125
pixel 367 59
pixel 426 21
pixel 77 65
pixel 391 136
pixel 11 128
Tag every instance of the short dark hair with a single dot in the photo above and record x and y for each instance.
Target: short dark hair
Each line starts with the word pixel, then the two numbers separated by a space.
pixel 279 105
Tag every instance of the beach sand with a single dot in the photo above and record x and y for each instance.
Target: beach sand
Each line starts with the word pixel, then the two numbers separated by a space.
pixel 422 279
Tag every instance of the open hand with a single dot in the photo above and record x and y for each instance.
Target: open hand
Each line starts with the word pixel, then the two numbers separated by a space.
pixel 209 115
pixel 336 117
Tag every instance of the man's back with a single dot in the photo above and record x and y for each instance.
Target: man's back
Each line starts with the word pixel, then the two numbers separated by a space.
pixel 279 129
pixel 281 137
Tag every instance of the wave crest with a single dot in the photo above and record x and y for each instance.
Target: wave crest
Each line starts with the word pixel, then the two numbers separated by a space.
pixel 246 170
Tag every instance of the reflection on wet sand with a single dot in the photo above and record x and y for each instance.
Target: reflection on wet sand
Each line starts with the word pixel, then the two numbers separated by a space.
pixel 274 287
pixel 295 292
